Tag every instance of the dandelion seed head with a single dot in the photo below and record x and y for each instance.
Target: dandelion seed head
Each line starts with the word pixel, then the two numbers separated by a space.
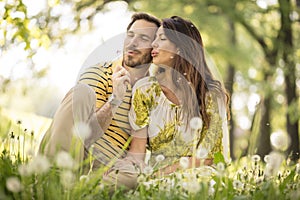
pixel 184 162
pixel 201 153
pixel 84 178
pixel 82 130
pixel 39 164
pixel 280 140
pixel 64 160
pixel 148 170
pixel 24 170
pixel 274 162
pixel 13 184
pixel 67 178
pixel 159 158
pixel 267 158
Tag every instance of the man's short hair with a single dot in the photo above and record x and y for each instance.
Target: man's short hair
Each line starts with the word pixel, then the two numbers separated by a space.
pixel 143 16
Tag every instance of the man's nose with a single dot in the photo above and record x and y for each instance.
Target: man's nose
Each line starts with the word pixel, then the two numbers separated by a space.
pixel 133 42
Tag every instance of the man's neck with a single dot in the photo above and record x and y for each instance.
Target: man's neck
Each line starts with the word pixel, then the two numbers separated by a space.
pixel 137 73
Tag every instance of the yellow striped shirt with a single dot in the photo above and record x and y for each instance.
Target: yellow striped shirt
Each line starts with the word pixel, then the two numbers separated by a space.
pixel 110 145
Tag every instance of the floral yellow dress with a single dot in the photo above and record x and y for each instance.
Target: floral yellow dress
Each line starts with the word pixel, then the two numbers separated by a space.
pixel 168 133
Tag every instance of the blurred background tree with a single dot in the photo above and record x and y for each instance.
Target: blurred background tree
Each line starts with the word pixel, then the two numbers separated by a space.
pixel 254 44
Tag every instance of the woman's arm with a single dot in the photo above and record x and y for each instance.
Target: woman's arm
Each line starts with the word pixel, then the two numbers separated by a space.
pixel 138 144
pixel 176 166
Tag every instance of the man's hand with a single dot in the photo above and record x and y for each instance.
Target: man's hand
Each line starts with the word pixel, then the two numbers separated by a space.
pixel 120 79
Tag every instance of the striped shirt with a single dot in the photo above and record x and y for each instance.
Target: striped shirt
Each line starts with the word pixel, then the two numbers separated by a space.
pixel 111 144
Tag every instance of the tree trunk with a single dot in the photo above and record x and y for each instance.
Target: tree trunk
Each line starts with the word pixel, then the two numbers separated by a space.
pixel 292 125
pixel 229 87
pixel 264 145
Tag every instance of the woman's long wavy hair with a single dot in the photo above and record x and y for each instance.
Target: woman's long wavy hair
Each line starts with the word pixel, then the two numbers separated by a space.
pixel 191 64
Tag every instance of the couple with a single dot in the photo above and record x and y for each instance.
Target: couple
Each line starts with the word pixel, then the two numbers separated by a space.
pixel 155 113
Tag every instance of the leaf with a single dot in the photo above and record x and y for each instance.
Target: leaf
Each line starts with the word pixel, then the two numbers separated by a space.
pixel 218 157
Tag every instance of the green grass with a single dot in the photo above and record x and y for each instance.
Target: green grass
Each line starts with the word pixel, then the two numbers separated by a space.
pixel 29 176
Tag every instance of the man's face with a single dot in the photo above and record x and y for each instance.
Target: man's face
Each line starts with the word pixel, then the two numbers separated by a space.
pixel 137 44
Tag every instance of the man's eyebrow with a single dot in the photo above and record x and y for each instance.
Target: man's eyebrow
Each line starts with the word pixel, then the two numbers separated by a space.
pixel 144 35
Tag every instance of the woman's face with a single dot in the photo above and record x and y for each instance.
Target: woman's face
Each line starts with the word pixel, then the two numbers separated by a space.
pixel 164 50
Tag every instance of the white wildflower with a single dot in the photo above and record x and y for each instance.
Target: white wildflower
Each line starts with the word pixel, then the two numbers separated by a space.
pixel 221 167
pixel 67 178
pixel 280 140
pixel 201 153
pixel 255 158
pixel 159 158
pixel 153 69
pixel 148 170
pixel 196 123
pixel 64 160
pixel 238 185
pixel 147 185
pixel 82 130
pixel 13 184
pixel 184 162
pixel 194 187
pixel 39 164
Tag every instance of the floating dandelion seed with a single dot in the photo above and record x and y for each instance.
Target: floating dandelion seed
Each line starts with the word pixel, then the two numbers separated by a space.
pixel 159 158
pixel 13 184
pixel 280 140
pixel 184 162
pixel 196 123
pixel 82 130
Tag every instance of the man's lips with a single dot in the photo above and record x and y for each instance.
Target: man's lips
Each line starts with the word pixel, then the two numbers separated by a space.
pixel 132 52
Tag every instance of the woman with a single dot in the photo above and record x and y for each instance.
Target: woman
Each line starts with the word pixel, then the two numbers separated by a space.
pixel 163 104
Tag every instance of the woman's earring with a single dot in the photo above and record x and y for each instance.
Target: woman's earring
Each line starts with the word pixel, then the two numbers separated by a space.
pixel 178 51
pixel 171 57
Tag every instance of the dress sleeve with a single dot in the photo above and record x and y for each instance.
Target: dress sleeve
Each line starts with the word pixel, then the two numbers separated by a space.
pixel 214 138
pixel 98 78
pixel 144 95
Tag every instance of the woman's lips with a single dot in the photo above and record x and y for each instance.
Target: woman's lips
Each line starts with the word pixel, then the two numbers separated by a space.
pixel 154 53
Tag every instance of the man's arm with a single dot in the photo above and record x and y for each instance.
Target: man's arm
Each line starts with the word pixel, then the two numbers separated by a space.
pixel 99 81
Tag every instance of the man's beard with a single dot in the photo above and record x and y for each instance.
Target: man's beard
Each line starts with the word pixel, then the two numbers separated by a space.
pixel 130 62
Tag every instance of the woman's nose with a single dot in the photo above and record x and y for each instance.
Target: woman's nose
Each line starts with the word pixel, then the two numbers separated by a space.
pixel 154 44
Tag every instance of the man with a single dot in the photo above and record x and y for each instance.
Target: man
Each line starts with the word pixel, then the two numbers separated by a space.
pixel 99 103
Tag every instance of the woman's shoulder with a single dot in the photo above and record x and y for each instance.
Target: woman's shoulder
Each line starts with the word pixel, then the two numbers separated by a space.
pixel 145 83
